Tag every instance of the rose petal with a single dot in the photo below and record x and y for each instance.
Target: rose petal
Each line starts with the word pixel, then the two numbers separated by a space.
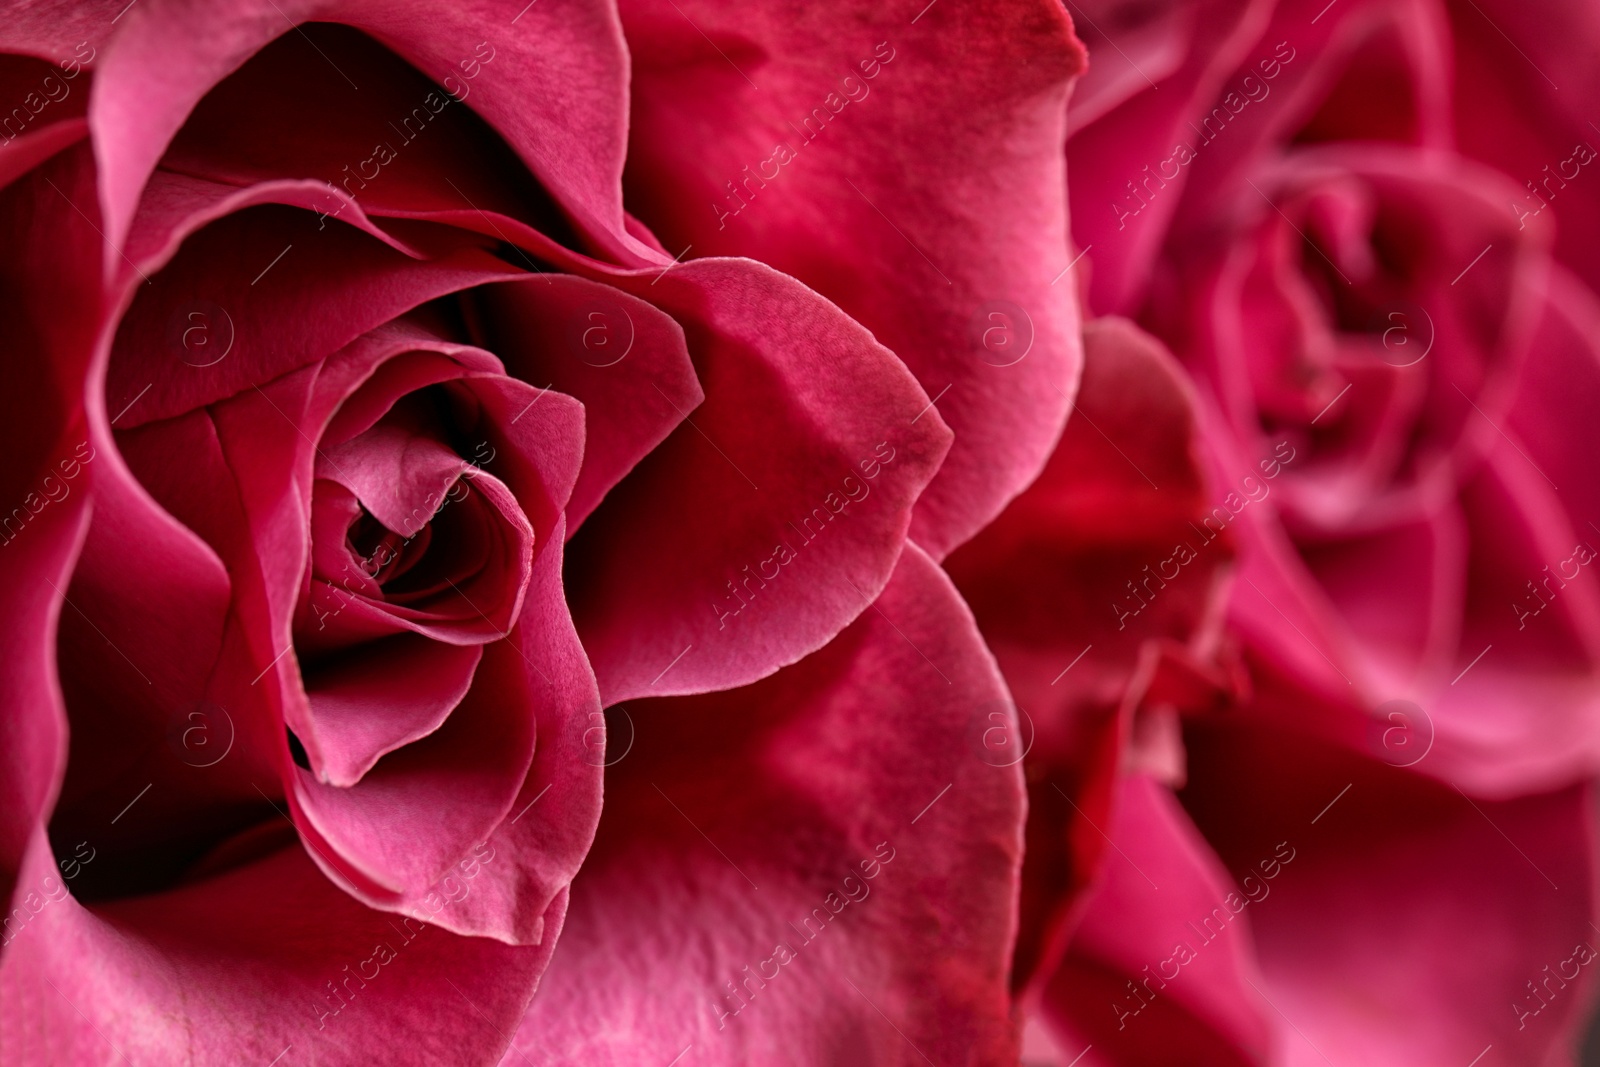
pixel 1163 957
pixel 420 810
pixel 1518 708
pixel 567 68
pixel 48 298
pixel 466 589
pixel 290 968
pixel 1519 112
pixel 572 335
pixel 554 817
pixel 1369 50
pixel 869 212
pixel 402 143
pixel 57 124
pixel 554 814
pixel 375 699
pixel 856 779
pixel 1124 130
pixel 1400 590
pixel 1359 942
pixel 394 468
pixel 1123 487
pixel 538 457
pixel 278 315
pixel 1079 591
pixel 805 458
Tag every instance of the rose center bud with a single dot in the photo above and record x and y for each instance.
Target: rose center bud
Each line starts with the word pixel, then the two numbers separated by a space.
pixel 418 559
pixel 384 554
pixel 1365 337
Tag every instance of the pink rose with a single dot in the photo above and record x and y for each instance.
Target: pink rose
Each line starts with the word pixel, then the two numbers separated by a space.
pixel 1297 901
pixel 364 448
pixel 816 159
pixel 813 869
pixel 1393 324
pixel 1169 799
pixel 1388 715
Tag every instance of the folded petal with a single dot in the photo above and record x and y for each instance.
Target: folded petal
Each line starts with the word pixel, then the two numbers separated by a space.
pixel 420 810
pixel 50 302
pixel 378 699
pixel 875 155
pixel 805 459
pixel 234 308
pixel 556 91
pixel 623 359
pixel 815 869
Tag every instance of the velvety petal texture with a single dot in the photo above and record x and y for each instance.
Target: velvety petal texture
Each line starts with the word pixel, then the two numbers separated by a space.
pixel 325 974
pixel 905 164
pixel 45 498
pixel 807 456
pixel 604 532
pixel 364 444
pixel 158 68
pixel 818 868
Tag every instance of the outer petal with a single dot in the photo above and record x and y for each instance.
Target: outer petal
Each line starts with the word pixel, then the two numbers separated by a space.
pixel 39 28
pixel 919 187
pixel 266 960
pixel 1360 940
pixel 815 869
pixel 51 314
pixel 151 652
pixel 557 93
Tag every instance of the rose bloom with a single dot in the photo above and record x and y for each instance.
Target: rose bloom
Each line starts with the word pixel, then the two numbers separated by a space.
pixel 1327 800
pixel 369 466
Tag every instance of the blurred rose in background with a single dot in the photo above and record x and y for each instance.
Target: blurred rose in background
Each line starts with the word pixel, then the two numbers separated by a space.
pixel 1362 230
